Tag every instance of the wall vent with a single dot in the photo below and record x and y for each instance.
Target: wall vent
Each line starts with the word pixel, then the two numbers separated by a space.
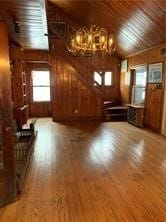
pixel 163 51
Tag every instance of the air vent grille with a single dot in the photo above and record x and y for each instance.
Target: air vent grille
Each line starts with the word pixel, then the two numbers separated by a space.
pixel 163 51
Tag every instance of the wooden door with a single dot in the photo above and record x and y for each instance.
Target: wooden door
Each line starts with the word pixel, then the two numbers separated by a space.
pixel 7 163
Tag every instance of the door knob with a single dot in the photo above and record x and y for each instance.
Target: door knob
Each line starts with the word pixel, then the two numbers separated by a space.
pixel 7 129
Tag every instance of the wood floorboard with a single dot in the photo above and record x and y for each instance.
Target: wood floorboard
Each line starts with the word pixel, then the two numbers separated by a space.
pixel 93 172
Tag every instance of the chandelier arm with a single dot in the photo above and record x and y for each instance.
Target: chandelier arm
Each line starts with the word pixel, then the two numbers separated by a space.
pixel 88 41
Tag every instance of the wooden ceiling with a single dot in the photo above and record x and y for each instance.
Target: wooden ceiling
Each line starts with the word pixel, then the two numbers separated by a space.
pixel 136 24
pixel 32 16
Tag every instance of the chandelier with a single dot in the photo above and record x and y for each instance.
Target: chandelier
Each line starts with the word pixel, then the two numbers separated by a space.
pixel 89 41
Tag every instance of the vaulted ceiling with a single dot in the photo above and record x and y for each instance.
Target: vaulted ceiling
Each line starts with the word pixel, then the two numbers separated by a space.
pixel 31 14
pixel 136 24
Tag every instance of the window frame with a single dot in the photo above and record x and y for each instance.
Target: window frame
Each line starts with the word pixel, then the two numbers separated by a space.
pixel 49 86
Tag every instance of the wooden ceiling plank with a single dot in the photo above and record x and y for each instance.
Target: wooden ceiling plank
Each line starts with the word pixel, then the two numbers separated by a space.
pixel 161 4
pixel 131 30
pixel 29 14
pixel 136 21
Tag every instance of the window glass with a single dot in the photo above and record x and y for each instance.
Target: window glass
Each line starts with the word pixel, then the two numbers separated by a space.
pixel 41 86
pixel 41 93
pixel 138 95
pixel 140 78
pixel 138 89
pixel 98 78
pixel 108 79
pixel 40 78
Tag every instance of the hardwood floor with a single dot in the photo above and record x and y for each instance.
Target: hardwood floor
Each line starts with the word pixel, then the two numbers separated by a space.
pixel 93 172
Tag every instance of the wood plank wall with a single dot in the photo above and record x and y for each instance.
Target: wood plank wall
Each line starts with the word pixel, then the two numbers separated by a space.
pixel 36 56
pixel 155 102
pixel 163 127
pixel 85 68
pixel 71 98
pixel 7 174
pixel 16 57
pixel 85 102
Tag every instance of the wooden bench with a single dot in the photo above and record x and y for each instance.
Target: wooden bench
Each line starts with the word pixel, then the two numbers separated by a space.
pixel 116 113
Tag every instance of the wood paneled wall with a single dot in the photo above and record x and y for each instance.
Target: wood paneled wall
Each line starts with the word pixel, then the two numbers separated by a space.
pixel 36 56
pixel 7 174
pixel 163 128
pixel 81 103
pixel 36 109
pixel 71 98
pixel 70 93
pixel 109 63
pixel 149 56
pixel 17 72
pixel 125 87
pixel 153 107
pixel 154 114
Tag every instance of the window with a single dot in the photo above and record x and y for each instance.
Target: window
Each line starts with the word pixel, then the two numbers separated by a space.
pixel 108 78
pixel 103 78
pixel 40 85
pixel 139 83
pixel 98 77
